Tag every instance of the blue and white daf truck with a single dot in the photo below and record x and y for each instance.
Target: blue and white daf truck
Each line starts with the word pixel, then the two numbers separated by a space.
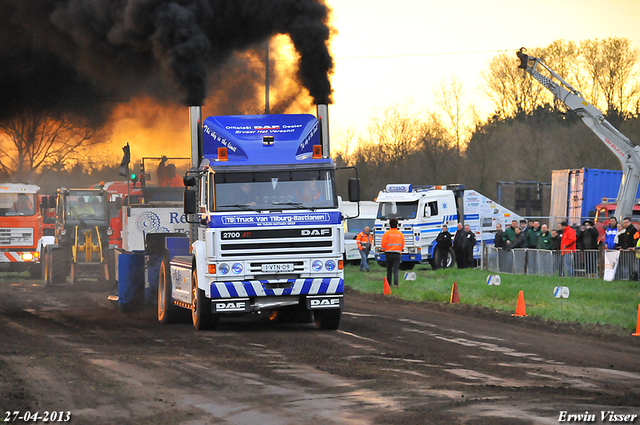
pixel 423 210
pixel 266 232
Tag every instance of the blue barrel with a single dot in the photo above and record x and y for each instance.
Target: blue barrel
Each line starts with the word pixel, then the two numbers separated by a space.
pixel 130 281
pixel 153 274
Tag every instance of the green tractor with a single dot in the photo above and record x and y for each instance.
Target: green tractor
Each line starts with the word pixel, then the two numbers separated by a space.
pixel 81 249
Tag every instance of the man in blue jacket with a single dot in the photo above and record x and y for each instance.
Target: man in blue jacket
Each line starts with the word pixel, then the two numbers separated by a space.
pixel 610 233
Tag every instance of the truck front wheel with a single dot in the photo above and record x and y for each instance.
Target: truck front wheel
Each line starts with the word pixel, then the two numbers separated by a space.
pixel 451 258
pixel 35 271
pixel 327 319
pixel 59 265
pixel 201 309
pixel 46 267
pixel 166 309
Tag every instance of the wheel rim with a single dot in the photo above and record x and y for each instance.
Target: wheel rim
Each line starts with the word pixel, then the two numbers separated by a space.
pixel 45 260
pixel 194 295
pixel 161 292
pixel 48 267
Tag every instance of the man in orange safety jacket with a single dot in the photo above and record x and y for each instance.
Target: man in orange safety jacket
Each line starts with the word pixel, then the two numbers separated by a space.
pixel 392 244
pixel 365 241
pixel 567 247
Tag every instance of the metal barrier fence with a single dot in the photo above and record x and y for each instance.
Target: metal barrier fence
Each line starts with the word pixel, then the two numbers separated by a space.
pixel 539 262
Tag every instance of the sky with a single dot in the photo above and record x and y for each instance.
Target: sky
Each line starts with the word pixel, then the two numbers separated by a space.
pixel 389 51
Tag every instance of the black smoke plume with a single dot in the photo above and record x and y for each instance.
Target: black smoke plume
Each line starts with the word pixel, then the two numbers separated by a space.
pixel 81 55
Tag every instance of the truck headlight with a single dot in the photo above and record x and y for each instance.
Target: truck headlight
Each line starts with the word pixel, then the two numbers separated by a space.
pixel 27 256
pixel 236 268
pixel 316 266
pixel 223 268
pixel 330 265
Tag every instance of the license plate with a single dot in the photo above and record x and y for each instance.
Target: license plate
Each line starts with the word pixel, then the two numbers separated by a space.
pixel 277 268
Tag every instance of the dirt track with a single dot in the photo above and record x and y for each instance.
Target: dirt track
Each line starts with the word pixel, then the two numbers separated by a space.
pixel 391 362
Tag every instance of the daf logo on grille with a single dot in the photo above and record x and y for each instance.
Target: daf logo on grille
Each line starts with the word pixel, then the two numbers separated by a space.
pixel 315 232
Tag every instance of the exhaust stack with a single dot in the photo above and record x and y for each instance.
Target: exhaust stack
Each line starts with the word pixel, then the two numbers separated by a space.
pixel 323 116
pixel 195 126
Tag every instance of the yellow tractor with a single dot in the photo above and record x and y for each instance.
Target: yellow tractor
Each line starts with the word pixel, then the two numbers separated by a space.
pixel 82 230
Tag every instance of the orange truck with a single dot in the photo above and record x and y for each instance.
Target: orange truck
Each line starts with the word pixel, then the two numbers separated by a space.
pixel 606 210
pixel 21 228
pixel 118 189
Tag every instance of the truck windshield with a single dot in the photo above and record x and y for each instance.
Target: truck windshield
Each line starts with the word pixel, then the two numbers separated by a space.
pixel 274 190
pixel 17 204
pixel 85 206
pixel 357 225
pixel 400 210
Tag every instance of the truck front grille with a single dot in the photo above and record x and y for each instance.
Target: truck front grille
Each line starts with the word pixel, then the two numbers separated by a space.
pixel 272 242
pixel 16 236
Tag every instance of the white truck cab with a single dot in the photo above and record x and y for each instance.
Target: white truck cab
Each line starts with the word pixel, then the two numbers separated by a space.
pixel 354 223
pixel 423 210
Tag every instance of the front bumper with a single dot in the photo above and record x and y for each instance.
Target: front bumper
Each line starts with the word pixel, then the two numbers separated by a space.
pixel 266 288
pixel 404 258
pixel 19 257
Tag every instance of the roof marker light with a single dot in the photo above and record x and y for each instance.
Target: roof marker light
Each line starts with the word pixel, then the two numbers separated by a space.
pixel 222 154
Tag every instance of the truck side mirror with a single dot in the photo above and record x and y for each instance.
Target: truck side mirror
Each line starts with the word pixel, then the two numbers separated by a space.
pixel 354 190
pixel 44 203
pixel 118 203
pixel 190 201
pixel 189 181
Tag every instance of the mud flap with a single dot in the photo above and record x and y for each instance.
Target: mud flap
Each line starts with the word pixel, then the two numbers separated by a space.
pixel 316 302
pixel 231 305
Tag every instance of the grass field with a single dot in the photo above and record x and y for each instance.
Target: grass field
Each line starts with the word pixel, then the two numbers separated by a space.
pixel 590 301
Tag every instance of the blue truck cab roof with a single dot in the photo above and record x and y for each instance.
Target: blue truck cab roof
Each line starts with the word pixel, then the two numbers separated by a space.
pixel 278 139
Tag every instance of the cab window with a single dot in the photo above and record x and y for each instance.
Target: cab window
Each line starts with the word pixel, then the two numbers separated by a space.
pixel 431 209
pixel 601 215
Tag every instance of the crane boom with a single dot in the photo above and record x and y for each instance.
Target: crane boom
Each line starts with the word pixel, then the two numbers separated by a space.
pixel 627 153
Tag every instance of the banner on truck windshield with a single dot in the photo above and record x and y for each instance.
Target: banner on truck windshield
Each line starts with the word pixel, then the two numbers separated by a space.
pixel 290 219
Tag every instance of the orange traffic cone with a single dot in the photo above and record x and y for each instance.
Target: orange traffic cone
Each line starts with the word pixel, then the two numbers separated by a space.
pixel 387 289
pixel 455 298
pixel 637 323
pixel 521 310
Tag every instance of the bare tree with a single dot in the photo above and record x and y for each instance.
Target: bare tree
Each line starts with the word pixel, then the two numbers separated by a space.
pixel 563 57
pixel 449 97
pixel 509 88
pixel 37 141
pixel 345 144
pixel 610 67
pixel 619 63
pixel 403 146
pixel 395 132
pixel 603 70
pixel 437 161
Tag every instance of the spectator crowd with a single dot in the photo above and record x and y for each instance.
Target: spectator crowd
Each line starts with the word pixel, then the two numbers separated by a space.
pixel 566 238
